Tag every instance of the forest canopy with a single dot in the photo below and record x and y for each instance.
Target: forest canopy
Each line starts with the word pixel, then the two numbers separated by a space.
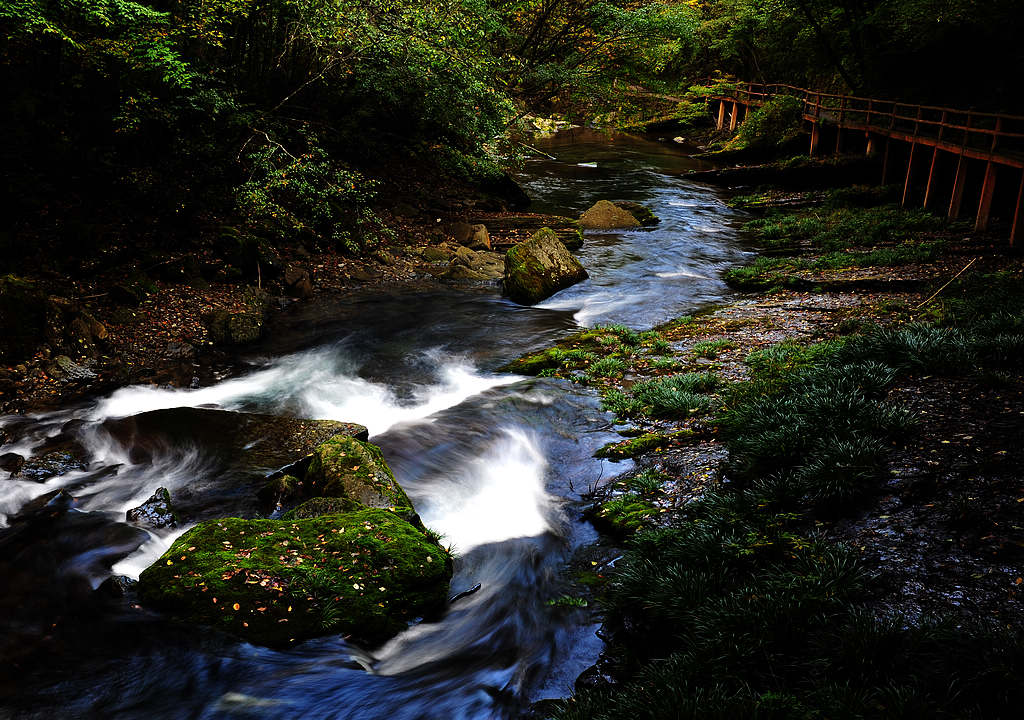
pixel 172 112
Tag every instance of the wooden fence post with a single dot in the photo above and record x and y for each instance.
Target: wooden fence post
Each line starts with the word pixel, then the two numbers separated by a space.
pixel 960 181
pixel 734 118
pixel 1016 230
pixel 721 115
pixel 816 126
pixel 988 189
pixel 910 162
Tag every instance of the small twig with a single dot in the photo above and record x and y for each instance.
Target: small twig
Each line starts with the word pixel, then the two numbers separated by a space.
pixel 936 293
pixel 539 152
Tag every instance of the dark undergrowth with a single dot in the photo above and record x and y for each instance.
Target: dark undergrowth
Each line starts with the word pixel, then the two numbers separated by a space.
pixel 743 608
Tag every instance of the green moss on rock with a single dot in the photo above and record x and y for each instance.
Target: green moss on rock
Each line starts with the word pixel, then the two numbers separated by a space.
pixel 540 267
pixel 320 506
pixel 365 574
pixel 344 467
pixel 643 443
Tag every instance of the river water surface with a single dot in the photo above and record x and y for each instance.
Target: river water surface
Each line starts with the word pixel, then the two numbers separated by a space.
pixel 494 462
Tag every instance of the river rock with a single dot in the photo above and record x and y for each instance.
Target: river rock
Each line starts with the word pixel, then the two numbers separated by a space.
pixel 52 463
pixel 344 467
pixel 540 267
pixel 606 215
pixel 11 462
pixel 156 513
pixel 297 282
pixel 242 325
pixel 364 573
pixel 642 213
pixel 475 237
pixel 464 274
pixel 465 257
pixel 267 441
pixel 436 254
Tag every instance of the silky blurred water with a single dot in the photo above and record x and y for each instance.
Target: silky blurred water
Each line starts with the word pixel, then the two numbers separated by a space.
pixel 492 461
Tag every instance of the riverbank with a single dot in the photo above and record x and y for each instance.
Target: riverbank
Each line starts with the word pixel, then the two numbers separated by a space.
pixel 826 477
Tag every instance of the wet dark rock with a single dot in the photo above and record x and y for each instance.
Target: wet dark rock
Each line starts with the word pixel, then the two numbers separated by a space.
pixel 156 513
pixel 11 462
pixel 540 267
pixel 267 441
pixel 180 351
pixel 595 677
pixel 297 282
pixel 53 463
pixel 69 371
pixel 55 502
pixel 118 586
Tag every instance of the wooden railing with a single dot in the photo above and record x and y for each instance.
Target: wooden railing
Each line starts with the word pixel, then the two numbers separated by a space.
pixel 997 137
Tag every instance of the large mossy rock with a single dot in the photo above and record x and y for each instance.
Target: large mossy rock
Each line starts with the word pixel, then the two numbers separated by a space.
pixel 365 574
pixel 344 467
pixel 606 215
pixel 540 267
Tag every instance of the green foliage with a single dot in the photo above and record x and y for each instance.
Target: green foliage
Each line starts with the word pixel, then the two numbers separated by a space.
pixel 843 228
pixel 309 195
pixel 775 123
pixel 711 348
pixel 675 396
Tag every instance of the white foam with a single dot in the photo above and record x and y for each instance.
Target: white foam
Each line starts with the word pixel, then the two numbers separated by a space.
pixel 496 496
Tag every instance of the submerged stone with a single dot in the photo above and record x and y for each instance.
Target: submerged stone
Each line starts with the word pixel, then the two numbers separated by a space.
pixel 344 467
pixel 365 574
pixel 540 267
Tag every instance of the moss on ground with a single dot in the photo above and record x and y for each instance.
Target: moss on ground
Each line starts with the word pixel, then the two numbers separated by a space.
pixel 365 573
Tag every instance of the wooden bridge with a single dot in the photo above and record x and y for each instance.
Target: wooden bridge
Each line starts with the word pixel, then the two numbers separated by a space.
pixel 947 159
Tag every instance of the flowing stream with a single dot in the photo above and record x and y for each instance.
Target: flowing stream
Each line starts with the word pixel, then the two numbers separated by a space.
pixel 494 462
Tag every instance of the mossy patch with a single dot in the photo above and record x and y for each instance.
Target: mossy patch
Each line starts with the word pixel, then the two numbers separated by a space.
pixel 539 267
pixel 320 506
pixel 643 443
pixel 344 467
pixel 365 573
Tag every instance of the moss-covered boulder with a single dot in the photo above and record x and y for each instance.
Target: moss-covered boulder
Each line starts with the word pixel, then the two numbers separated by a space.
pixel 344 467
pixel 320 506
pixel 540 267
pixel 365 574
pixel 606 215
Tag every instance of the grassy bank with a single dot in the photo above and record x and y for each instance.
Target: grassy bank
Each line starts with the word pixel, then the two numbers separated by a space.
pixel 856 552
